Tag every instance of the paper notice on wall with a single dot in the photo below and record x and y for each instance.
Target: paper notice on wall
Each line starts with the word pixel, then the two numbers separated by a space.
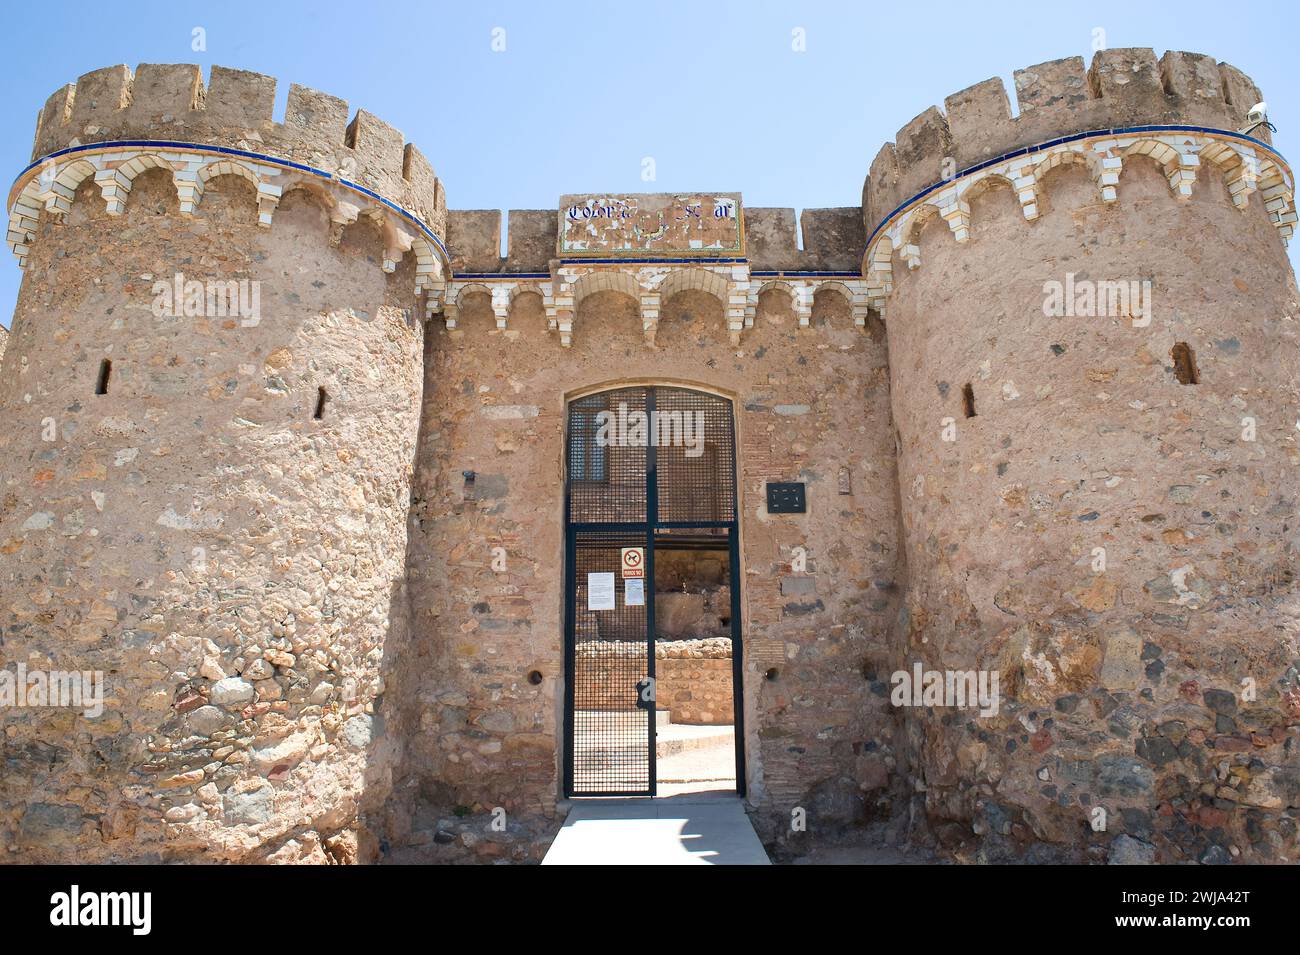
pixel 634 592
pixel 600 591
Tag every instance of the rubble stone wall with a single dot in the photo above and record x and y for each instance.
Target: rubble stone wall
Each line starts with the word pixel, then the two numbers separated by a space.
pixel 693 681
pixel 1120 546
pixel 479 733
pixel 221 534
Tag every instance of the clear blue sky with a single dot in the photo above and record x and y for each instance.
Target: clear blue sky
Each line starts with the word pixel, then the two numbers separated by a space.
pixel 583 91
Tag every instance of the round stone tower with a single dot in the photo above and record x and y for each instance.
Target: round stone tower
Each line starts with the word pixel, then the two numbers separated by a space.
pixel 1095 368
pixel 210 406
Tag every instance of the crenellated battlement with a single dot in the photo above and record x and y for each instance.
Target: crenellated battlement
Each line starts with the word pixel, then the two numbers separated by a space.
pixel 170 102
pixel 766 257
pixel 1184 111
pixel 831 240
pixel 1121 88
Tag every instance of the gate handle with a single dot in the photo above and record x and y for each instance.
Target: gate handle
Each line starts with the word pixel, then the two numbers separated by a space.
pixel 641 686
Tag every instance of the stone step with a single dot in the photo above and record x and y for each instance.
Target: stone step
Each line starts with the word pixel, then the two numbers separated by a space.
pixel 677 738
pixel 712 767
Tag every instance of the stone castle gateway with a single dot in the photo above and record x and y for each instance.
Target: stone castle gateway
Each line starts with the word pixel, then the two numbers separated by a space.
pixel 308 471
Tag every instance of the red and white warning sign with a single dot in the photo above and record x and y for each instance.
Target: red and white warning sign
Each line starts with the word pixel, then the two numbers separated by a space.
pixel 633 562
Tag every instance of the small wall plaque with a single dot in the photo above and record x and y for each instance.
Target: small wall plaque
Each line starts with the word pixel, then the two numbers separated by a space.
pixel 787 498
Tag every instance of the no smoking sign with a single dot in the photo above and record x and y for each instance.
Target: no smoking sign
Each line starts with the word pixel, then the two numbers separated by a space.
pixel 633 562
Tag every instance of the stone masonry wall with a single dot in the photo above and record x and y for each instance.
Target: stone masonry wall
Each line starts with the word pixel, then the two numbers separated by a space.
pixel 693 681
pixel 480 734
pixel 230 562
pixel 1105 537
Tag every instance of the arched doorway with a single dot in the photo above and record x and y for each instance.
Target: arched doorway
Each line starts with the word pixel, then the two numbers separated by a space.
pixel 650 472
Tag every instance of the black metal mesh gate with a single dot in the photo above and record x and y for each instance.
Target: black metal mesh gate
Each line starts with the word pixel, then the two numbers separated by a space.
pixel 638 460
pixel 612 710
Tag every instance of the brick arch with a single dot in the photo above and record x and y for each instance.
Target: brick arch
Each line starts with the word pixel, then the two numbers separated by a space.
pixel 376 215
pixel 1102 170
pixel 983 188
pixel 428 265
pixel 1162 153
pixel 396 242
pixel 1169 159
pixel 192 191
pixel 702 280
pixel 24 217
pixel 315 191
pixel 917 220
pixel 1240 173
pixel 116 183
pixel 839 288
pixel 1065 157
pixel 983 184
pixel 227 167
pixel 605 281
pixel 366 232
pixel 1268 169
pixel 71 175
pixel 523 292
pixel 472 289
pixel 1276 187
pixel 878 263
pixel 143 162
pixel 1244 172
pixel 777 286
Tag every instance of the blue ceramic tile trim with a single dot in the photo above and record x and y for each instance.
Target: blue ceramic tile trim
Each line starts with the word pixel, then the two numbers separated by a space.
pixel 796 273
pixel 243 154
pixel 460 276
pixel 571 260
pixel 1075 137
pixel 764 273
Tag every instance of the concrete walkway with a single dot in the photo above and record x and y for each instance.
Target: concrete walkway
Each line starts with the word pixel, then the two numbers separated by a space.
pixel 676 830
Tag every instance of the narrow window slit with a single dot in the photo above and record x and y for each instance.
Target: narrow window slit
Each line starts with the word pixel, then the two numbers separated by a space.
pixel 968 400
pixel 321 398
pixel 1185 364
pixel 101 383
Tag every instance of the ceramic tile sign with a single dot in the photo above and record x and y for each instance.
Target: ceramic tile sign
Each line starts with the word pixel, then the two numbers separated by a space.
pixel 600 591
pixel 645 225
